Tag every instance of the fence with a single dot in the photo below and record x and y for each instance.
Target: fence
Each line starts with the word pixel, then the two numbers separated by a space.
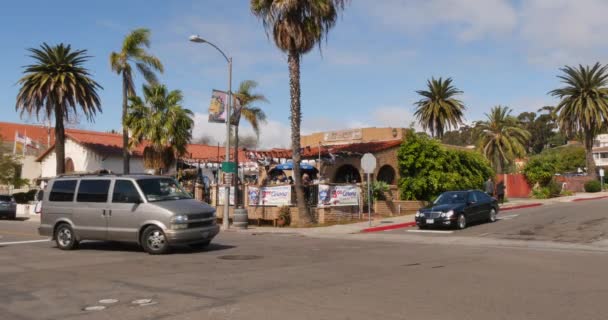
pixel 516 185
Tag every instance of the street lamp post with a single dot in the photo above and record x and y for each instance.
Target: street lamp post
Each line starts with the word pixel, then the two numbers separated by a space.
pixel 197 39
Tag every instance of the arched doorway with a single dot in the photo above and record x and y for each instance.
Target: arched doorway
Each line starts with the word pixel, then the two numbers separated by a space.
pixel 69 165
pixel 386 174
pixel 346 174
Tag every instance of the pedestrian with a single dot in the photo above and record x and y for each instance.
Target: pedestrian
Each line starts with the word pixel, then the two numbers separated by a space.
pixel 306 179
pixel 500 191
pixel 489 187
pixel 290 180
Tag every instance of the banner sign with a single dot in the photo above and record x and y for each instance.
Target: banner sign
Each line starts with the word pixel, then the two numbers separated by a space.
pixel 345 195
pixel 270 196
pixel 221 194
pixel 217 108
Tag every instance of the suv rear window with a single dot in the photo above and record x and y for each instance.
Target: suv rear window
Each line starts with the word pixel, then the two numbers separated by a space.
pixel 93 191
pixel 63 191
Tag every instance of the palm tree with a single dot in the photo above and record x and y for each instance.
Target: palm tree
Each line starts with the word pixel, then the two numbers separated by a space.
pixel 133 52
pixel 254 115
pixel 583 109
pixel 161 120
pixel 296 27
pixel 439 110
pixel 54 86
pixel 501 138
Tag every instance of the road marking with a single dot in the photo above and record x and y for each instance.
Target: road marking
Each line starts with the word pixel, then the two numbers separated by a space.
pixel 430 231
pixel 19 234
pixel 21 242
pixel 511 216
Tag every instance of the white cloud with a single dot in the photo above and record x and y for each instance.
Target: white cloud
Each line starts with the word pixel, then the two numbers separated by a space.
pixel 468 19
pixel 559 32
pixel 399 117
pixel 273 134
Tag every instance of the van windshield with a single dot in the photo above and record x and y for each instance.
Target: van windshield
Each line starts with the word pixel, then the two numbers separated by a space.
pixel 162 189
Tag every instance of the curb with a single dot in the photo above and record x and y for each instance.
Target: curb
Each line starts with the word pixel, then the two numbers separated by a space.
pixel 390 227
pixel 523 206
pixel 587 199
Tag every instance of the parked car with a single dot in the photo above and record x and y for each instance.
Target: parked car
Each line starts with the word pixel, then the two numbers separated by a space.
pixel 458 209
pixel 8 207
pixel 153 211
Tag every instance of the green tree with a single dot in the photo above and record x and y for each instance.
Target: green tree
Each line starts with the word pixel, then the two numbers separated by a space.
pixel 10 168
pixel 428 169
pixel 296 27
pixel 254 115
pixel 56 85
pixel 161 120
pixel 439 109
pixel 583 108
pixel 501 138
pixel 133 53
pixel 464 136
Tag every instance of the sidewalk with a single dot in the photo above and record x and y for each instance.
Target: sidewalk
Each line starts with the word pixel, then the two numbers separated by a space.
pixel 408 220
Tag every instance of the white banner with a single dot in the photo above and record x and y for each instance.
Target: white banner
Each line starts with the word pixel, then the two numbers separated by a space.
pixel 269 196
pixel 222 195
pixel 346 195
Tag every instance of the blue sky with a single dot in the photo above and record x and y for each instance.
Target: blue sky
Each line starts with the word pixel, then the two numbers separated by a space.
pixel 380 52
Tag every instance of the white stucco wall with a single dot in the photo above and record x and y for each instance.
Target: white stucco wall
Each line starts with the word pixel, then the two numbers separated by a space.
pixel 114 164
pixel 30 168
pixel 84 159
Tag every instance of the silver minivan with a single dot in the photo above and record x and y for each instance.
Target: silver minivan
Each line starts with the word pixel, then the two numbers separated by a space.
pixel 153 211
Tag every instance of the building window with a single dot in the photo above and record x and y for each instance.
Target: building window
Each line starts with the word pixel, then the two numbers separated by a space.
pixel 386 174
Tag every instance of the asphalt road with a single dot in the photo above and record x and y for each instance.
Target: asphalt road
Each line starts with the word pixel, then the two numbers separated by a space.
pixel 574 222
pixel 290 276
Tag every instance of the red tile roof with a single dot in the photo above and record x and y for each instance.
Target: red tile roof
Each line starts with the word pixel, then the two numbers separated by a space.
pixel 37 133
pixel 313 152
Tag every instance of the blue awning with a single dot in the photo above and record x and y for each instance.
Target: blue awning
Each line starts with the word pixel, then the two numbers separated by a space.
pixel 289 166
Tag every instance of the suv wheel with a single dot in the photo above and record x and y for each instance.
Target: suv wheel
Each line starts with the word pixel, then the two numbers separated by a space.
pixel 492 217
pixel 461 222
pixel 65 237
pixel 154 241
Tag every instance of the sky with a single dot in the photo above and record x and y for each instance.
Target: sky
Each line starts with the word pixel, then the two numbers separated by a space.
pixel 499 52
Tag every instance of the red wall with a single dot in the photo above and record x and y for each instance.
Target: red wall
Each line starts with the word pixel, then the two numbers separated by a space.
pixel 517 186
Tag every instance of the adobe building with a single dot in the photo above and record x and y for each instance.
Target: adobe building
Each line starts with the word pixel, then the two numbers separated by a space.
pixel 360 135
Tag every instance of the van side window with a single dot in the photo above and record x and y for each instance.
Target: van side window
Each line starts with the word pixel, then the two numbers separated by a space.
pixel 125 192
pixel 63 191
pixel 93 191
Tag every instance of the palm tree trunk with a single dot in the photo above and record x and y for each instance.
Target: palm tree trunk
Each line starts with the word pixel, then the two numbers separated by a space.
pixel 59 141
pixel 125 130
pixel 293 61
pixel 591 172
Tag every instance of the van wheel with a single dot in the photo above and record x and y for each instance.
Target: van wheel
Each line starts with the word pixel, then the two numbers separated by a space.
pixel 154 241
pixel 65 237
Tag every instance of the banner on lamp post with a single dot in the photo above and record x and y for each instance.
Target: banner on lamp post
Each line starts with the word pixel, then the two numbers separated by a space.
pixel 218 106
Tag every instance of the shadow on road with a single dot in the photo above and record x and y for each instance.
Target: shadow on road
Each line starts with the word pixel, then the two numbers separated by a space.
pixel 132 247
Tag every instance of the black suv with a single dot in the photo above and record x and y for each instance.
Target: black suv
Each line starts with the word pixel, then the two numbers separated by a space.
pixel 458 209
pixel 8 207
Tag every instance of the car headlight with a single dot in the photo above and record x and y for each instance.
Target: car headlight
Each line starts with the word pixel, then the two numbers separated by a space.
pixel 449 214
pixel 418 214
pixel 180 219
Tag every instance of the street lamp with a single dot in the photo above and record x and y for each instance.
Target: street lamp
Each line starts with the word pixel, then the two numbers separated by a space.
pixel 197 39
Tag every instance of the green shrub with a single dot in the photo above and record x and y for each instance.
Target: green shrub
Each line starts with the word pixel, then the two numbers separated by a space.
pixel 429 169
pixel 540 171
pixel 540 193
pixel 555 189
pixel 593 186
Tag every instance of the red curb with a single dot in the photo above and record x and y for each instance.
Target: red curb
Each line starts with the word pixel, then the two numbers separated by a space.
pixel 587 199
pixel 523 206
pixel 390 227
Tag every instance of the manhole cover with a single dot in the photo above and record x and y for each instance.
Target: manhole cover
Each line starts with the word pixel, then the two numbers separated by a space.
pixel 108 301
pixel 240 257
pixel 94 308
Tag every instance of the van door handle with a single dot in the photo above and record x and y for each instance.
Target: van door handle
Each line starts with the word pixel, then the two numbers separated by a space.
pixel 110 212
pixel 103 212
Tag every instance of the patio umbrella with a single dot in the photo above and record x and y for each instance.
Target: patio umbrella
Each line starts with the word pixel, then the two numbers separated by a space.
pixel 289 166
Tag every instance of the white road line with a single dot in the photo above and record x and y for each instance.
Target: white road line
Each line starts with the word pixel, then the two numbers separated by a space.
pixel 430 231
pixel 511 216
pixel 21 242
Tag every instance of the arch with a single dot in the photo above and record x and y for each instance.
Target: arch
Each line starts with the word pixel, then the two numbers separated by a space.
pixel 347 173
pixel 69 165
pixel 386 174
